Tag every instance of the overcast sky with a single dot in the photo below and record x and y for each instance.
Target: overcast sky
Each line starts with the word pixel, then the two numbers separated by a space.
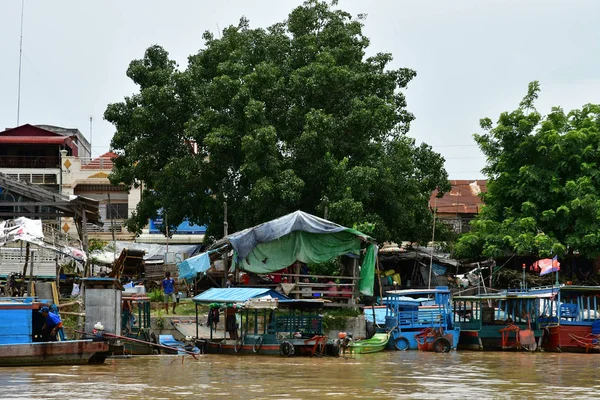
pixel 473 59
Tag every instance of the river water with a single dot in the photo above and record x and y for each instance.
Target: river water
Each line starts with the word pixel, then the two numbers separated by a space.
pixel 386 375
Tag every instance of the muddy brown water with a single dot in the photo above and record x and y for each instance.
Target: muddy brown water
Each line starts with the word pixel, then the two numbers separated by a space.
pixel 386 375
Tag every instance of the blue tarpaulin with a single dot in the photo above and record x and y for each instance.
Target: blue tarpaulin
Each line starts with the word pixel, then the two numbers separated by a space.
pixel 236 295
pixel 190 268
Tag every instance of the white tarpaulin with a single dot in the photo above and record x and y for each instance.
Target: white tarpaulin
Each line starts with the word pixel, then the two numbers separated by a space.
pixel 31 231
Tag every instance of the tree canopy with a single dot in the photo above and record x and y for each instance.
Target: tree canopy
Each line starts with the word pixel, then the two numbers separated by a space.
pixel 543 184
pixel 294 116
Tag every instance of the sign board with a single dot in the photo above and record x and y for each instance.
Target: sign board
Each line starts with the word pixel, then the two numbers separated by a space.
pixel 185 228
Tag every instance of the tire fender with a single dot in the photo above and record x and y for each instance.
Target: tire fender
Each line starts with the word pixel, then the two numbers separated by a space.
pixel 401 343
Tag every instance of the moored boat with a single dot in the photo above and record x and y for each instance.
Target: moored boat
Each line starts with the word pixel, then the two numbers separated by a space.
pixel 502 321
pixel 570 318
pixel 418 319
pixel 173 346
pixel 263 322
pixel 21 342
pixel 373 345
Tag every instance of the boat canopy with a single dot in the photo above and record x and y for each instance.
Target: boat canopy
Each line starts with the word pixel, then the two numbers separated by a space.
pixel 415 292
pixel 237 295
pixel 303 237
pixel 406 299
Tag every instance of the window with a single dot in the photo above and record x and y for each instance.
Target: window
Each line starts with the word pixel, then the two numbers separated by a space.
pixel 116 211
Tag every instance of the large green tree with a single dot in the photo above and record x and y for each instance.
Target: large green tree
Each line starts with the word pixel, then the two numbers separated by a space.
pixel 543 184
pixel 273 120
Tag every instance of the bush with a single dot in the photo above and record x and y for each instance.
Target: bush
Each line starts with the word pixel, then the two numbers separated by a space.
pixel 156 295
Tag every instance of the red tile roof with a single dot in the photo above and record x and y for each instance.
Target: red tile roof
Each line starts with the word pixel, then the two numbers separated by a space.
pixel 463 198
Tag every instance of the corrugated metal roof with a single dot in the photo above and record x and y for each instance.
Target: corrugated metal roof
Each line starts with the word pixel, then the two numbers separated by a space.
pixel 463 198
pixel 235 295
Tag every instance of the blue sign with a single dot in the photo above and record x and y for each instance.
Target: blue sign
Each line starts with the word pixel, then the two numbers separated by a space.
pixel 185 228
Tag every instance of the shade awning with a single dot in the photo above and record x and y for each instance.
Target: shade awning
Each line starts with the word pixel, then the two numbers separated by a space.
pixel 236 295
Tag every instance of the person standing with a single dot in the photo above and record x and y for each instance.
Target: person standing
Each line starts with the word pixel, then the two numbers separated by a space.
pixel 231 323
pixel 52 325
pixel 168 286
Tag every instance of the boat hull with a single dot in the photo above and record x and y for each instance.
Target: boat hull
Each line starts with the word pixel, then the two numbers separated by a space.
pixel 569 339
pixel 74 352
pixel 270 349
pixel 491 340
pixel 410 336
pixel 373 345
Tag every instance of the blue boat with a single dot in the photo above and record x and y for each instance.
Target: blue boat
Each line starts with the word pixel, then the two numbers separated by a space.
pixel 418 319
pixel 176 346
pixel 22 344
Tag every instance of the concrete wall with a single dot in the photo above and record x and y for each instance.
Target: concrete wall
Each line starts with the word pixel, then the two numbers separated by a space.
pixel 355 325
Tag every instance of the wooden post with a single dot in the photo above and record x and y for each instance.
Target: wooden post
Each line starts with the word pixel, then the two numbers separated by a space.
pixel 32 290
pixel 354 280
pixel 85 245
pixel 26 260
pixel 225 223
pixel 297 278
pixel 379 276
pixel 58 268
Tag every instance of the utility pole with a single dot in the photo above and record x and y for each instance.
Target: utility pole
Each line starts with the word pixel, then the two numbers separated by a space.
pixel 91 147
pixel 225 224
pixel 432 243
pixel 20 58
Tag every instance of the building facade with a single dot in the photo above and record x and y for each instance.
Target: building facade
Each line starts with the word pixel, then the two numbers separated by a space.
pixel 59 159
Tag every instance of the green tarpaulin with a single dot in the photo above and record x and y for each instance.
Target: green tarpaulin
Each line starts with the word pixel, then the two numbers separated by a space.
pixel 311 248
pixel 299 236
pixel 367 271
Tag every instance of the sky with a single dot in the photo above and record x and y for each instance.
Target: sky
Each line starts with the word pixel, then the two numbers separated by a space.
pixel 473 58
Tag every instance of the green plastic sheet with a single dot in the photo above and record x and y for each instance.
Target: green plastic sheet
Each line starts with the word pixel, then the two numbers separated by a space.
pixel 310 248
pixel 367 271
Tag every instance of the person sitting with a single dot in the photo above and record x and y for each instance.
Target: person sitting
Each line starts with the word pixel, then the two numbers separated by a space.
pixel 52 325
pixel 332 290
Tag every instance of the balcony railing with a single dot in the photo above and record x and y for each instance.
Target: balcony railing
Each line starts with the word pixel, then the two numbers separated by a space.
pixel 96 163
pixel 29 162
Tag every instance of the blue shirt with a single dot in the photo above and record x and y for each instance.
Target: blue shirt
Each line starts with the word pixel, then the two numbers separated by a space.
pixel 168 285
pixel 52 320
